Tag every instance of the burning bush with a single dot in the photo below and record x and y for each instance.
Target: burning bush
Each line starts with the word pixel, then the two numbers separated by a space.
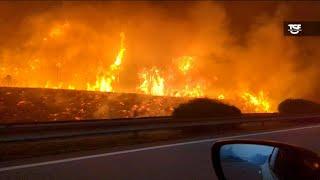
pixel 298 106
pixel 204 107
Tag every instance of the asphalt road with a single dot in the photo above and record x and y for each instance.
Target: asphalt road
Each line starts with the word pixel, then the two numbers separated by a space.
pixel 187 160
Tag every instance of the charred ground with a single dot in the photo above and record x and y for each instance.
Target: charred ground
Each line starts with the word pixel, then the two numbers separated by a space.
pixel 18 105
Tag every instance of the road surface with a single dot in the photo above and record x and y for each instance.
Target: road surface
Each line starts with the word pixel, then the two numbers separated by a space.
pixel 187 160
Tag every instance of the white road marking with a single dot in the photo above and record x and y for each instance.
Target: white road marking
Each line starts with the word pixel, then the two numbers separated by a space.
pixel 147 148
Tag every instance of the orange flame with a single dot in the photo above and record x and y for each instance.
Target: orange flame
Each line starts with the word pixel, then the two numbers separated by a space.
pixel 221 97
pixel 155 84
pixel 105 81
pixel 152 82
pixel 259 102
pixel 185 63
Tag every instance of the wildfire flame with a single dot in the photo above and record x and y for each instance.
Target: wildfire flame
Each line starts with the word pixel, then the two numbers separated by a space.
pixel 104 82
pixel 221 97
pixel 185 64
pixel 181 82
pixel 152 82
pixel 259 102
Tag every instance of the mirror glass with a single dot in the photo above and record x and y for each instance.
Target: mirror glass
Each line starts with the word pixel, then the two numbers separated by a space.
pixel 251 161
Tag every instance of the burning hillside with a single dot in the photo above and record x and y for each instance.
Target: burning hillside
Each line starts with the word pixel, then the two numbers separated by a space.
pixel 19 105
pixel 177 82
pixel 179 51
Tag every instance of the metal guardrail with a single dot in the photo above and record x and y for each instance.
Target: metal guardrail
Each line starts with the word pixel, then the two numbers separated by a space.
pixel 120 121
pixel 51 130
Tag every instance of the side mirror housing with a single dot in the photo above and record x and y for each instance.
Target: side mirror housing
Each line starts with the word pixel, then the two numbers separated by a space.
pixel 251 159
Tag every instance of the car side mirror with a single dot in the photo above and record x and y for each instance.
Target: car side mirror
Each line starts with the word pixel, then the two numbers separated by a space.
pixel 250 159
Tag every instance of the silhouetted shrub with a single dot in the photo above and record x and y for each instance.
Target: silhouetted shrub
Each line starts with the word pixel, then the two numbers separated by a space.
pixel 298 106
pixel 204 107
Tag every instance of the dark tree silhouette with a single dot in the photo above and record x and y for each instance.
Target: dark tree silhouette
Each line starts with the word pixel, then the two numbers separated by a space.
pixel 204 107
pixel 7 80
pixel 298 106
